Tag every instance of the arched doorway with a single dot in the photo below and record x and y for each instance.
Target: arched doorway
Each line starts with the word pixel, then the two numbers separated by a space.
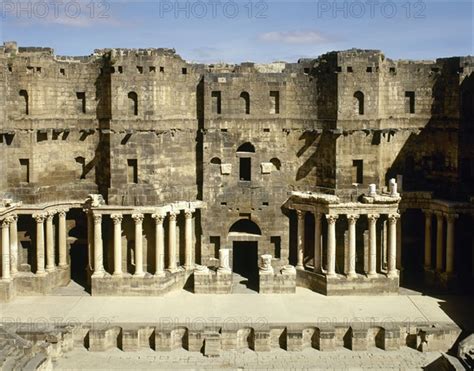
pixel 245 235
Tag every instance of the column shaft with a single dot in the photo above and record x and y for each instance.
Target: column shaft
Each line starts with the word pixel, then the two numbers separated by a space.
pixel 98 247
pixel 172 242
pixel 159 245
pixel 317 242
pixel 117 219
pixel 352 219
pixel 372 245
pixel 450 243
pixel 331 219
pixel 138 245
pixel 90 240
pixel 62 239
pixel 428 240
pixel 14 245
pixel 300 248
pixel 6 250
pixel 40 271
pixel 50 266
pixel 392 245
pixel 399 243
pixel 188 215
pixel 439 241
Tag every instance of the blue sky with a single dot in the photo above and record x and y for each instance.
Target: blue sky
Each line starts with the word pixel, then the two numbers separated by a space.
pixel 244 30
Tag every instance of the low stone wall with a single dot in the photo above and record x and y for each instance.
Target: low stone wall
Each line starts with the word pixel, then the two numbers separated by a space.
pixel 209 281
pixel 277 283
pixel 129 285
pixel 262 337
pixel 28 283
pixel 341 285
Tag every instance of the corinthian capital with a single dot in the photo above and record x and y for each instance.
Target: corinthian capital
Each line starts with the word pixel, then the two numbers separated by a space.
pixel 117 218
pixel 138 218
pixel 39 217
pixel 331 218
pixel 373 217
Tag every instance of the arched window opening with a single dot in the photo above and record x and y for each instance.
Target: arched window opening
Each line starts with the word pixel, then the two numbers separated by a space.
pixel 133 103
pixel 245 226
pixel 245 98
pixel 359 102
pixel 26 108
pixel 246 147
pixel 216 161
pixel 276 163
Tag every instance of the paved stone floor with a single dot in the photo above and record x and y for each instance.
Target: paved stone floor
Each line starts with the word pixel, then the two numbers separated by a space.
pixel 375 359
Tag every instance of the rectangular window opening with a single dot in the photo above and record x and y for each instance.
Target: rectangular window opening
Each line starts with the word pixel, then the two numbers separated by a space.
pixel 350 69
pixel 409 102
pixel 358 171
pixel 140 69
pixel 216 102
pixel 132 171
pixel 216 242
pixel 120 69
pixel 62 71
pixel 25 170
pixel 152 69
pixel 184 71
pixel 245 169
pixel 275 102
pixel 162 69
pixel 276 241
pixel 369 69
pixel 81 97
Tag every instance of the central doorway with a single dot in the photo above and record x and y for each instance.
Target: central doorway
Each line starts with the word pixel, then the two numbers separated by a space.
pixel 245 265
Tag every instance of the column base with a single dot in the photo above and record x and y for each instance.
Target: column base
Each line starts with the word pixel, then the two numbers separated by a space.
pixel 160 274
pixel 8 279
pixel 174 269
pixel 41 274
pixel 98 274
pixel 224 270
pixel 63 266
pixel 139 274
pixel 117 274
pixel 50 270
pixel 189 267
pixel 351 276
pixel 331 275
pixel 372 275
pixel 392 274
pixel 300 267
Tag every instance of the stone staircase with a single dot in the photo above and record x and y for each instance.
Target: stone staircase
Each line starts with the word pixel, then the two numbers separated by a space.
pixel 32 351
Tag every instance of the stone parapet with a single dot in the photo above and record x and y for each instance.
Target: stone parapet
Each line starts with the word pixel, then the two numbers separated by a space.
pixel 209 281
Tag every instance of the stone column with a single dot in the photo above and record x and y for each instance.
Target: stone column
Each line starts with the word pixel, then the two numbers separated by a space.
pixel 331 219
pixel 450 218
pixel 50 264
pixel 399 243
pixel 392 245
pixel 117 219
pixel 172 266
pixel 14 245
pixel 6 249
pixel 300 247
pixel 40 244
pixel 98 247
pixel 439 241
pixel 317 242
pixel 138 245
pixel 352 220
pixel 90 240
pixel 224 265
pixel 372 245
pixel 428 216
pixel 159 245
pixel 188 231
pixel 62 239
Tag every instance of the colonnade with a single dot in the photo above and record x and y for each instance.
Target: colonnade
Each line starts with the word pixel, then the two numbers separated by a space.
pixel 442 220
pixel 45 246
pixel 95 242
pixel 350 256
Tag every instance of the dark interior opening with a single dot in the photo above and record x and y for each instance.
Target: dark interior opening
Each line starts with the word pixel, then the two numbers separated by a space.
pixel 245 262
pixel 244 170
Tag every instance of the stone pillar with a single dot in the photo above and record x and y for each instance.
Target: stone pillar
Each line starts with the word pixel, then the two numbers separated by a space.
pixel 117 219
pixel 392 245
pixel 159 245
pixel 188 237
pixel 317 243
pixel 50 264
pixel 90 240
pixel 138 245
pixel 98 247
pixel 224 265
pixel 439 241
pixel 372 245
pixel 39 218
pixel 6 249
pixel 14 245
pixel 62 239
pixel 172 266
pixel 399 243
pixel 300 247
pixel 331 219
pixel 428 216
pixel 450 218
pixel 352 220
